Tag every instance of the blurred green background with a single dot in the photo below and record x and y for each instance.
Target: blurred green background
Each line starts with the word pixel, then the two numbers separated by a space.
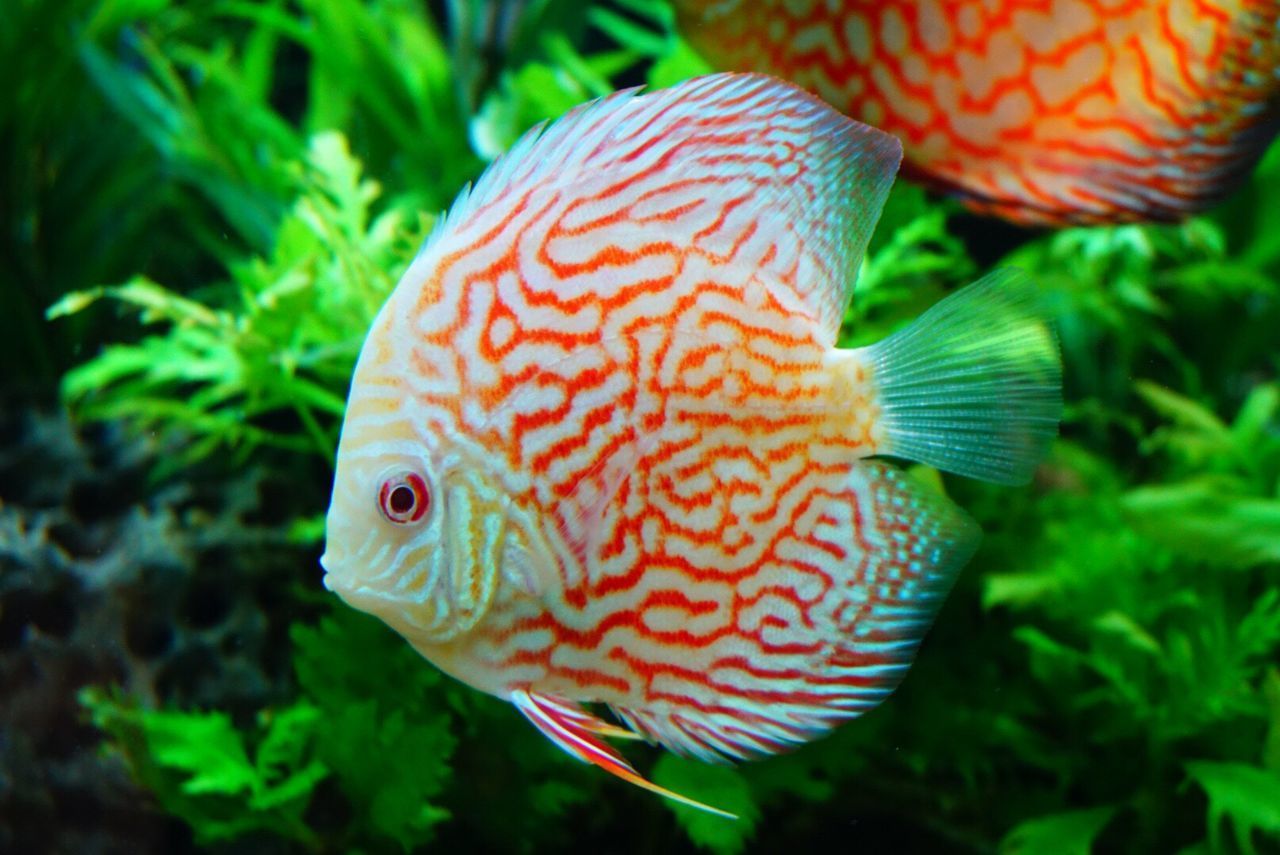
pixel 203 204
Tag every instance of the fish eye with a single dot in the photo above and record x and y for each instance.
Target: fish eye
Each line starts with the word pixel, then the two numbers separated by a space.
pixel 404 498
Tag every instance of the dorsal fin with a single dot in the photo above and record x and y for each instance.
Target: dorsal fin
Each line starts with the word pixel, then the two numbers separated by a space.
pixel 789 190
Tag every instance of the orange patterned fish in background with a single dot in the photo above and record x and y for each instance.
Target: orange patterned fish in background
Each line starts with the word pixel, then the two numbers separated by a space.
pixel 601 445
pixel 1039 111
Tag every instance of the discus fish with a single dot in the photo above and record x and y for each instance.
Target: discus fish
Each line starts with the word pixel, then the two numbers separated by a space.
pixel 600 445
pixel 1039 111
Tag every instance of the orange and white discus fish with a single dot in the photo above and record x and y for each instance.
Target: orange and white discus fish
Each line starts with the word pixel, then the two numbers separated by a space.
pixel 601 446
pixel 1040 111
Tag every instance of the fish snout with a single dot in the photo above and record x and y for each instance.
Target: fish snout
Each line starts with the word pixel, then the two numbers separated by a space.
pixel 330 561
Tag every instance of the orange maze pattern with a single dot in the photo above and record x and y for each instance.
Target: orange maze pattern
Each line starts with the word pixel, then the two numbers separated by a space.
pixel 618 351
pixel 1039 111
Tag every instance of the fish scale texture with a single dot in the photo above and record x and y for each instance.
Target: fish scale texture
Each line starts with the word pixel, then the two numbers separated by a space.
pixel 612 370
pixel 1040 111
pixel 631 334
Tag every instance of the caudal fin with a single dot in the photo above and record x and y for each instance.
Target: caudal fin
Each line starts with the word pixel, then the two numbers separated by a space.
pixel 974 386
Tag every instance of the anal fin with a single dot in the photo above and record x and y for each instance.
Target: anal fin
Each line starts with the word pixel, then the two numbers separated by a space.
pixel 577 732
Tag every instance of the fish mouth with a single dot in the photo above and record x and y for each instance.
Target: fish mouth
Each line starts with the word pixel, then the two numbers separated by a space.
pixel 330 579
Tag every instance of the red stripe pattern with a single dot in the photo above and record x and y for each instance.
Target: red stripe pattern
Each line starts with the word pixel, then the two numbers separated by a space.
pixel 614 366
pixel 1040 111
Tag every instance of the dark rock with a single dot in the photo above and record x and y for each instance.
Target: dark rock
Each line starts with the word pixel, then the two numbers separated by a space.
pixel 171 591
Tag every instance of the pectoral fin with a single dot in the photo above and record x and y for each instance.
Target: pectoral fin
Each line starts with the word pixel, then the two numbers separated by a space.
pixel 576 731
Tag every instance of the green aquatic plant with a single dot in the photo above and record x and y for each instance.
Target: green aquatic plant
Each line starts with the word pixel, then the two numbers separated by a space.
pixel 371 726
pixel 391 761
pixel 200 769
pixel 281 336
pixel 1103 676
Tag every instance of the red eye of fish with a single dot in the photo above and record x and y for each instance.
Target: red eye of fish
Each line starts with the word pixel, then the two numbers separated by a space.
pixel 403 498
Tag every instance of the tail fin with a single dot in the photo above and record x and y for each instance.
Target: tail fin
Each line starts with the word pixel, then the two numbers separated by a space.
pixel 974 386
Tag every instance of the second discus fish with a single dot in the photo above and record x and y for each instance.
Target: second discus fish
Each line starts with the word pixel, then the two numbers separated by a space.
pixel 601 446
pixel 1040 111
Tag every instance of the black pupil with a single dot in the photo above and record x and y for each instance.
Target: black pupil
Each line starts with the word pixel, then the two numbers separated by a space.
pixel 401 499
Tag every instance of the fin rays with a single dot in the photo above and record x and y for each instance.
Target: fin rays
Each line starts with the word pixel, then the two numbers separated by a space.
pixel 973 386
pixel 574 731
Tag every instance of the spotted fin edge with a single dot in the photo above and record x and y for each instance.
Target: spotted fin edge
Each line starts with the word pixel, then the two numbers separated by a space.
pixel 918 541
pixel 575 731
